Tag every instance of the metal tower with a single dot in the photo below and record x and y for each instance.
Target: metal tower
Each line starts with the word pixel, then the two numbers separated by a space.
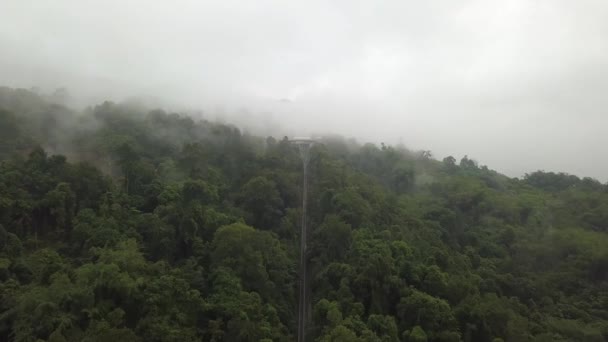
pixel 303 144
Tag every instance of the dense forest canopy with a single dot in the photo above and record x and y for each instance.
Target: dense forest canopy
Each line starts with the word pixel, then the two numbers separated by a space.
pixel 119 223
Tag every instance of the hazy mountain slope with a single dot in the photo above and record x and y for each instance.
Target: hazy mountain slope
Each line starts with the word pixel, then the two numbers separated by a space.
pixel 162 227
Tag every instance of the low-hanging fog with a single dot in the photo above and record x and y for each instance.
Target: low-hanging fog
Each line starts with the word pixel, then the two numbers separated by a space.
pixel 518 85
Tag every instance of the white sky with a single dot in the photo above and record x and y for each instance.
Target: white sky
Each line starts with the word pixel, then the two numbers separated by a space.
pixel 519 85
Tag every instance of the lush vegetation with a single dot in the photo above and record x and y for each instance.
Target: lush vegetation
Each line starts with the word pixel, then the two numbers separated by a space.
pixel 123 224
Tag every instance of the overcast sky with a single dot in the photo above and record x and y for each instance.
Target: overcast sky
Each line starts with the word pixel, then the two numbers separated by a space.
pixel 518 85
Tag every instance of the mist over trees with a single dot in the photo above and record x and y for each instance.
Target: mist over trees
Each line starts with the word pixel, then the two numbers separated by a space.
pixel 121 223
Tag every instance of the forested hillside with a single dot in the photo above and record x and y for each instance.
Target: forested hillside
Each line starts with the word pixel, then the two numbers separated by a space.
pixel 120 223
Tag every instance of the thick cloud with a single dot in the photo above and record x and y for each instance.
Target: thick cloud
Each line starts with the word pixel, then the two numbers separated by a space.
pixel 519 85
